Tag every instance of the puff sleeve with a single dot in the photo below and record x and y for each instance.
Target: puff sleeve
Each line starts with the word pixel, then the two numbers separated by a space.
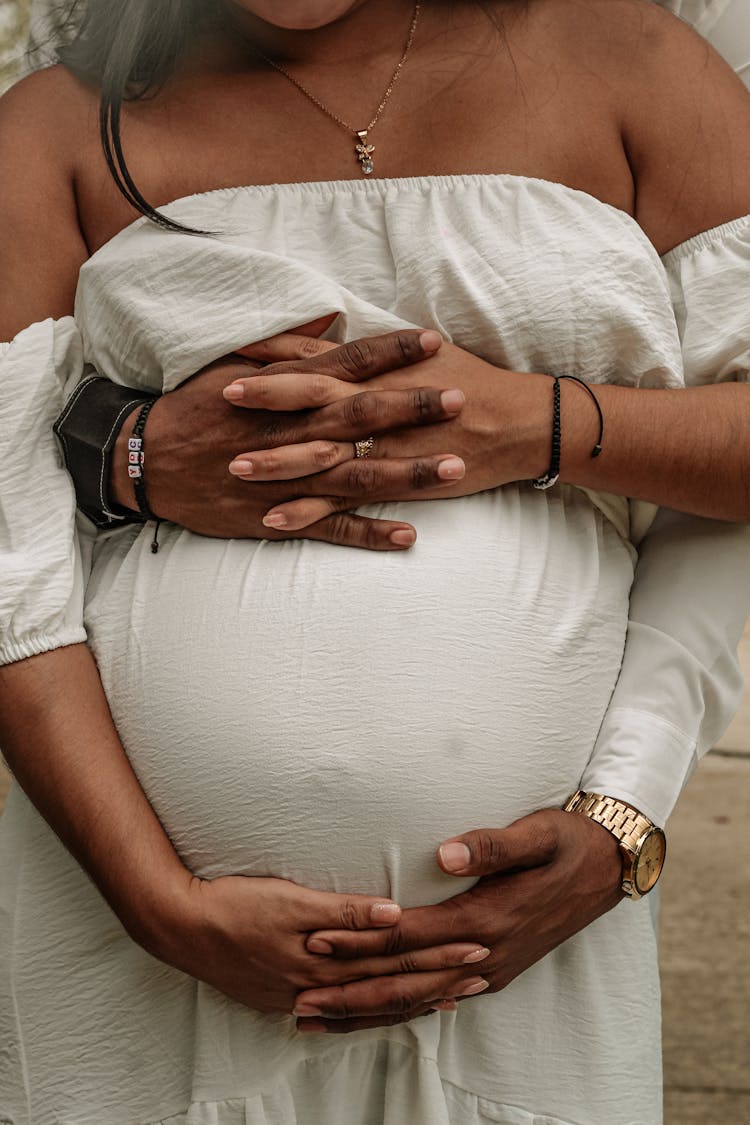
pixel 680 682
pixel 42 555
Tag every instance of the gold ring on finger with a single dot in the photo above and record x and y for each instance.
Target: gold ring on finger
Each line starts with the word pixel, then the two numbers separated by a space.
pixel 364 448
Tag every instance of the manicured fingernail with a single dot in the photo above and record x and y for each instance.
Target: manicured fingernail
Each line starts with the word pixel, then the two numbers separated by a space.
pixel 452 401
pixel 306 1010
pixel 317 945
pixel 385 912
pixel 452 468
pixel 234 392
pixel 455 857
pixel 472 987
pixel 241 468
pixel 311 1027
pixel 404 537
pixel 430 341
pixel 471 959
pixel 274 519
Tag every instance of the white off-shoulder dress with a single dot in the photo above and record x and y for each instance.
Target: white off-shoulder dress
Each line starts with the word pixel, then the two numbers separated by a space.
pixel 330 715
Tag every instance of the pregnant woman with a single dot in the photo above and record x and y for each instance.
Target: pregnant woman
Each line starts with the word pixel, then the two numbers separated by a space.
pixel 309 723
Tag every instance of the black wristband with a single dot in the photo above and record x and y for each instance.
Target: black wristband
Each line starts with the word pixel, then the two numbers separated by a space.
pixel 88 429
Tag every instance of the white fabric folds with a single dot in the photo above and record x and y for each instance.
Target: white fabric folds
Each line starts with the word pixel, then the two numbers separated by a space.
pixel 41 605
pixel 328 715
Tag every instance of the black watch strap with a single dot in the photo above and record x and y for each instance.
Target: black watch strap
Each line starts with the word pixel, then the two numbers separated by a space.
pixel 88 428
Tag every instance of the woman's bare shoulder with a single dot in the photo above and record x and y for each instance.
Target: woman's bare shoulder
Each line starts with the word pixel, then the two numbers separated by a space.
pixel 687 132
pixel 683 114
pixel 43 119
pixel 50 104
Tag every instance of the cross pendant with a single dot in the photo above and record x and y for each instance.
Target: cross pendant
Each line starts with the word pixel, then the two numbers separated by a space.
pixel 364 152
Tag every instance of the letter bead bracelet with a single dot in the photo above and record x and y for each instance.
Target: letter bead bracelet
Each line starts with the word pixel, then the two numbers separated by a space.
pixel 136 469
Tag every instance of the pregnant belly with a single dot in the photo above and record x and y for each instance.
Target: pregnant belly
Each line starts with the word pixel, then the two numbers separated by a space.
pixel 330 715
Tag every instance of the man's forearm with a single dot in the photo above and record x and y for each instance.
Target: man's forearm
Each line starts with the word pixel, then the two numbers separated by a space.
pixel 57 735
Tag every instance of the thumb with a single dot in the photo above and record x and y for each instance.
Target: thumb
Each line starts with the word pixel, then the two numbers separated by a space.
pixel 376 355
pixel 331 911
pixel 529 842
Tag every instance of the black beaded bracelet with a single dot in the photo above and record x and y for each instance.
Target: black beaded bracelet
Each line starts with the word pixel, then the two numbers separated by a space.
pixel 552 475
pixel 136 465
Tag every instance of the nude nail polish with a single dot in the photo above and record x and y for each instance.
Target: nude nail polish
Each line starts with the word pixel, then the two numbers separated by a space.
pixel 477 955
pixel 473 987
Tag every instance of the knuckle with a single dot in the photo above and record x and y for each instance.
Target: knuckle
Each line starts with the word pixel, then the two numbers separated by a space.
pixel 274 432
pixel 408 963
pixel 317 390
pixel 309 347
pixel 355 948
pixel 356 531
pixel 370 534
pixel 422 474
pixel 260 389
pixel 489 848
pixel 340 531
pixel 349 915
pixel 365 476
pixel 408 346
pixel 392 941
pixel 423 404
pixel 358 356
pixel 325 454
pixel 358 409
pixel 268 462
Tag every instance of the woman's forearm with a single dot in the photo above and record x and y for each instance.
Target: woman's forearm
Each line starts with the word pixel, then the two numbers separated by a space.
pixel 57 735
pixel 684 449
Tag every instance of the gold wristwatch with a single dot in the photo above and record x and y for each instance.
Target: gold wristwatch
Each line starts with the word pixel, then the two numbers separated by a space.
pixel 643 846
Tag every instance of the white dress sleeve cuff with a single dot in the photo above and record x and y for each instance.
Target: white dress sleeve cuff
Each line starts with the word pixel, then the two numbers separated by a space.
pixel 41 593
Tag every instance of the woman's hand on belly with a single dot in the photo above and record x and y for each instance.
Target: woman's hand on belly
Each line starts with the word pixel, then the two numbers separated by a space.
pixel 194 433
pixel 501 434
pixel 247 938
pixel 543 879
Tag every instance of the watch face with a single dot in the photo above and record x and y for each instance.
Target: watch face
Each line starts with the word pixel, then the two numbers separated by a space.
pixel 650 861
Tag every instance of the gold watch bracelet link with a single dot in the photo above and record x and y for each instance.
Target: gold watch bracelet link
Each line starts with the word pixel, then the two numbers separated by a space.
pixel 624 822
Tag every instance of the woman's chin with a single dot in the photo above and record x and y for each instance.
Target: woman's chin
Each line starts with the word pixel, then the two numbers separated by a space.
pixel 297 15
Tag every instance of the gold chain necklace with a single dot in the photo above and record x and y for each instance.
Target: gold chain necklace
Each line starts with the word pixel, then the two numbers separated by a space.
pixel 362 148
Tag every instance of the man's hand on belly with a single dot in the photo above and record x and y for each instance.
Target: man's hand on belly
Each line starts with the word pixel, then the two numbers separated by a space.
pixel 195 432
pixel 247 938
pixel 543 879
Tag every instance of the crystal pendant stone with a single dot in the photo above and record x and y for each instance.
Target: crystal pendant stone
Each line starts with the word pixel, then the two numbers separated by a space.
pixel 364 153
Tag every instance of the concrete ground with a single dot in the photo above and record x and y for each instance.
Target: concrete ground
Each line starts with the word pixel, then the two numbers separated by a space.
pixel 705 937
